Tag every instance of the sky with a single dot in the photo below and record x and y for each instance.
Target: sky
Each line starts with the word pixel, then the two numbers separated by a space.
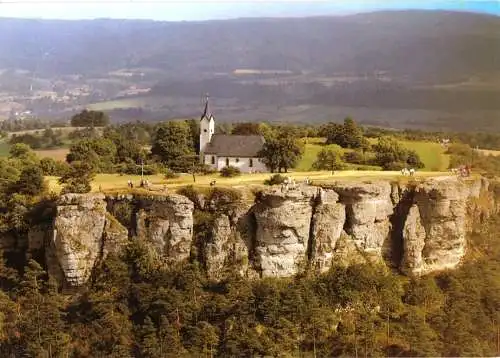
pixel 187 10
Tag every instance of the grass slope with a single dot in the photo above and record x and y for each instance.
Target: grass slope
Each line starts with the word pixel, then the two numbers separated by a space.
pixel 111 182
pixel 432 154
pixel 57 154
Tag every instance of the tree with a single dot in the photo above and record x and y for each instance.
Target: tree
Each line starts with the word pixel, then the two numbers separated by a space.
pixel 21 156
pixel 281 153
pixel 194 130
pixel 88 118
pixel 192 165
pixel 52 167
pixel 348 135
pixel 172 141
pixel 31 181
pixel 352 134
pixel 78 178
pixel 100 152
pixel 41 327
pixel 391 155
pixel 328 159
pixel 20 150
pixel 413 160
pixel 9 174
pixel 249 128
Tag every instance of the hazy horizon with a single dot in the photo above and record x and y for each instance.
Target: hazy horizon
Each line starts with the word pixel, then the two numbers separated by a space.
pixel 210 10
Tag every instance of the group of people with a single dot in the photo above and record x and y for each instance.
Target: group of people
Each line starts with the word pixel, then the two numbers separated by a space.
pixel 406 171
pixel 289 183
pixel 463 171
pixel 144 183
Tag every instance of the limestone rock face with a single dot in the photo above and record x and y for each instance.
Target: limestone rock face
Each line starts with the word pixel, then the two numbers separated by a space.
pixel 77 236
pixel 115 236
pixel 328 222
pixel 368 207
pixel 419 227
pixel 413 243
pixel 435 231
pixel 229 243
pixel 216 251
pixel 167 223
pixel 283 221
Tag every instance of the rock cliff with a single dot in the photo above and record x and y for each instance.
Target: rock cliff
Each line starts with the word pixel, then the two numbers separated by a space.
pixel 419 227
pixel 82 232
pixel 167 223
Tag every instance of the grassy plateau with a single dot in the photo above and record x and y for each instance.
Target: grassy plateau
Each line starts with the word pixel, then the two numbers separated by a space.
pixel 111 182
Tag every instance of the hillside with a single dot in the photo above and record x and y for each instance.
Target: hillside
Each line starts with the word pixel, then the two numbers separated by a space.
pixel 445 63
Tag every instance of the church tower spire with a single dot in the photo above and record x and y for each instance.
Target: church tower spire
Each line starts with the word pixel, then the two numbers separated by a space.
pixel 207 113
pixel 207 128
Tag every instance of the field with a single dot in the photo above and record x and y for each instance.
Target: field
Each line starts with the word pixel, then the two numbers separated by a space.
pixel 432 154
pixel 57 154
pixel 495 153
pixel 4 149
pixel 65 131
pixel 312 147
pixel 111 182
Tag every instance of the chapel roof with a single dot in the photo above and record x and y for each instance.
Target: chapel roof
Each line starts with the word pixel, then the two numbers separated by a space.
pixel 235 145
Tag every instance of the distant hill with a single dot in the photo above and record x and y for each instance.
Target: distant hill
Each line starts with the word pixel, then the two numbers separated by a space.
pixel 431 60
pixel 415 44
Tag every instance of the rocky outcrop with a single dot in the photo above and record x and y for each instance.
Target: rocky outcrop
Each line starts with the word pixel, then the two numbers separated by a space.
pixel 167 223
pixel 327 227
pixel 283 221
pixel 419 228
pixel 368 208
pixel 77 238
pixel 115 236
pixel 354 221
pixel 228 243
pixel 216 250
pixel 435 231
pixel 414 242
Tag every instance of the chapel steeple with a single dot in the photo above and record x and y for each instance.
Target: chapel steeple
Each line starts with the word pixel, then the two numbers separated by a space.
pixel 207 127
pixel 207 113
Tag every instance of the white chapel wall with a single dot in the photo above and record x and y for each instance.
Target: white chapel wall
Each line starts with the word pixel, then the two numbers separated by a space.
pixel 242 163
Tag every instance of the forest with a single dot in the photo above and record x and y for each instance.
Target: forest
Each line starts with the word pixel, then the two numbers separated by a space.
pixel 137 307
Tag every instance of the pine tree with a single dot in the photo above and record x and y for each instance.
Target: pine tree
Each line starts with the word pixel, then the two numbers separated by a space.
pixel 41 325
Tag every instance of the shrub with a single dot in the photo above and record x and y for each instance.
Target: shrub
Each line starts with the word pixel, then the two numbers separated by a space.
pixel 123 211
pixel 414 160
pixel 170 174
pixel 219 197
pixel 230 172
pixel 328 159
pixel 275 179
pixel 31 181
pixel 191 193
pixel 354 157
pixel 206 169
pixel 394 165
